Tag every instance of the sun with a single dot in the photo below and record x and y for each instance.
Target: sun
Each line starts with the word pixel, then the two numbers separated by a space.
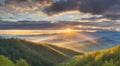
pixel 68 30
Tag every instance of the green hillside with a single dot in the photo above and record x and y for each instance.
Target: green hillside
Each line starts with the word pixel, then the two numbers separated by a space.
pixel 35 54
pixel 4 61
pixel 107 57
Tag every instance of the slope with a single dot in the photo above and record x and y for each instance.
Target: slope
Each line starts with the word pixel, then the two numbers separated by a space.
pixel 106 57
pixel 35 54
pixel 67 51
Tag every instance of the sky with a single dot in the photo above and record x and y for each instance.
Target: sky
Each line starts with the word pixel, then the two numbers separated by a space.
pixel 56 21
pixel 61 13
pixel 49 10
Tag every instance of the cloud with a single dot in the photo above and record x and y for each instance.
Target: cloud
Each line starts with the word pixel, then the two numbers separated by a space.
pixel 25 3
pixel 86 6
pixel 61 6
pixel 36 25
pixel 18 1
pixel 113 13
pixel 95 7
pixel 21 6
pixel 109 9
pixel 42 25
pixel 112 16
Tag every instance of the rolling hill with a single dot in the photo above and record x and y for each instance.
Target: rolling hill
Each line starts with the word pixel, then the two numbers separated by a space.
pixel 106 57
pixel 36 54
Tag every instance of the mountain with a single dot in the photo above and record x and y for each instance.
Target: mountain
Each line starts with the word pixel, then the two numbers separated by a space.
pixel 36 54
pixel 81 41
pixel 87 41
pixel 106 57
pixel 93 44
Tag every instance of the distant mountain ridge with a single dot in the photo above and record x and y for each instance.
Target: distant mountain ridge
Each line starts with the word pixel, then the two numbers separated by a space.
pixel 90 41
pixel 87 41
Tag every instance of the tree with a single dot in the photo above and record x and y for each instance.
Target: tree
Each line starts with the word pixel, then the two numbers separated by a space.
pixel 110 63
pixel 5 61
pixel 117 63
pixel 21 62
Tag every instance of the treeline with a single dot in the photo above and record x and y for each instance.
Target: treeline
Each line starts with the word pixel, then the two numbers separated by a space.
pixel 4 61
pixel 108 57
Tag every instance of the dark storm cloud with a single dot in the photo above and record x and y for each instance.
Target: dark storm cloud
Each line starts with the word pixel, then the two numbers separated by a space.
pixel 113 13
pixel 86 6
pixel 62 6
pixel 36 25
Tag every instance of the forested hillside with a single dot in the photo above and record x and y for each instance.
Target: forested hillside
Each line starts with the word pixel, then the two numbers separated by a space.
pixel 4 61
pixel 107 57
pixel 36 54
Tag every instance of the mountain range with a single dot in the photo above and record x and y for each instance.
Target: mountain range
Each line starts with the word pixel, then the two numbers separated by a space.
pixel 39 54
pixel 81 41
